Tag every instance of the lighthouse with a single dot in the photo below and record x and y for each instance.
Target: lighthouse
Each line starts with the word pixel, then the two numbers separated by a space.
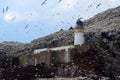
pixel 79 33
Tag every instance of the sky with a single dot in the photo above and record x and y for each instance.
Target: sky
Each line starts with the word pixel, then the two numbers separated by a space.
pixel 25 20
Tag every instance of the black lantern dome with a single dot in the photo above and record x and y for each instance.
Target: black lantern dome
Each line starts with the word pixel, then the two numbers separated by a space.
pixel 79 23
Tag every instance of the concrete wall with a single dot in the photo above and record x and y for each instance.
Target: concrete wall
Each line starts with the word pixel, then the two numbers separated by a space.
pixel 61 54
pixel 51 57
pixel 23 60
pixel 43 57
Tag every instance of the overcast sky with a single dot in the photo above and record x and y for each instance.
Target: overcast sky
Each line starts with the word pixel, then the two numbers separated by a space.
pixel 25 20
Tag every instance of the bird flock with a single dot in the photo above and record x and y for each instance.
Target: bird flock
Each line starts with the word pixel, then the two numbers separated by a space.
pixel 6 9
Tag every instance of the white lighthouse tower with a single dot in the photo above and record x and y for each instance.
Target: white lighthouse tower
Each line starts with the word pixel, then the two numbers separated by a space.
pixel 79 33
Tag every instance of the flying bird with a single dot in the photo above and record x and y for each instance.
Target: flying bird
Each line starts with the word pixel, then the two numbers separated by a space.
pixel 58 14
pixel 98 5
pixel 68 4
pixel 90 6
pixel 3 10
pixel 13 18
pixel 30 14
pixel 59 1
pixel 62 22
pixel 73 18
pixel 26 26
pixel 77 3
pixel 7 8
pixel 43 2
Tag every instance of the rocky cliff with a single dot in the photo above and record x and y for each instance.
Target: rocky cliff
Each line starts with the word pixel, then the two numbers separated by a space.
pixel 101 34
pixel 105 21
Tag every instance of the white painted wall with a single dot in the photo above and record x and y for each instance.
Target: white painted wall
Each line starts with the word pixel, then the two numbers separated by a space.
pixel 79 38
pixel 53 49
pixel 40 50
pixel 67 56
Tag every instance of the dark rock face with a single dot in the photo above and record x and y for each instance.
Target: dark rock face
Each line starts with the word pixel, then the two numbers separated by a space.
pixel 107 45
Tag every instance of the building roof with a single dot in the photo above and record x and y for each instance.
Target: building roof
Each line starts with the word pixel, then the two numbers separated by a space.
pixel 53 49
pixel 79 23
